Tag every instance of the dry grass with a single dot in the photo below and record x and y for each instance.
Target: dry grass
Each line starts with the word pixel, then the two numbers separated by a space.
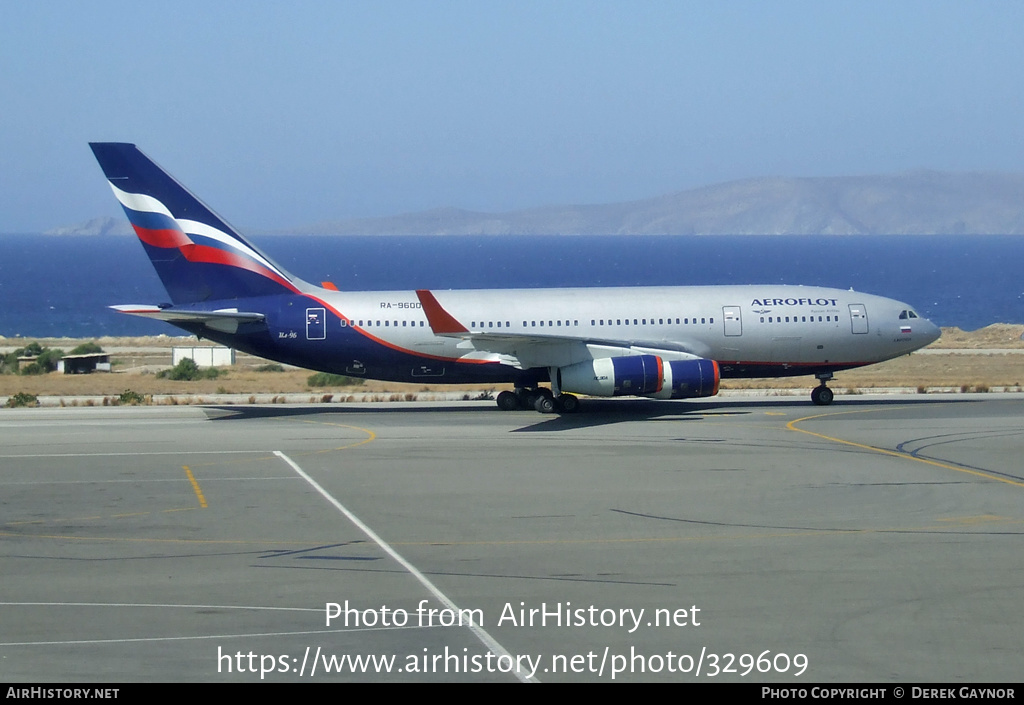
pixel 999 336
pixel 953 370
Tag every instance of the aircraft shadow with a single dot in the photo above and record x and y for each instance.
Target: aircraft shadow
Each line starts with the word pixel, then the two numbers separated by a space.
pixel 593 412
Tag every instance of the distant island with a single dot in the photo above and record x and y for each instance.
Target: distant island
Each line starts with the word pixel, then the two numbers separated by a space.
pixel 917 202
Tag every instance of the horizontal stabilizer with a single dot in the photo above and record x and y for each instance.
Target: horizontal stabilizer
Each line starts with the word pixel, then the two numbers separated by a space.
pixel 224 320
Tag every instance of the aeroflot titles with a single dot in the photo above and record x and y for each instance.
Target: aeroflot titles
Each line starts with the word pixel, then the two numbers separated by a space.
pixel 794 302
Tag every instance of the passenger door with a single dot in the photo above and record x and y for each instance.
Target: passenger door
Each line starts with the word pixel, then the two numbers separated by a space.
pixel 858 318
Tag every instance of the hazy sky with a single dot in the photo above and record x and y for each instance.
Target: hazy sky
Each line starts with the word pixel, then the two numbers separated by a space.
pixel 282 114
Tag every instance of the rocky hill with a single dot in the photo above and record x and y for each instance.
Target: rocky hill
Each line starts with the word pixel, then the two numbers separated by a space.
pixel 919 202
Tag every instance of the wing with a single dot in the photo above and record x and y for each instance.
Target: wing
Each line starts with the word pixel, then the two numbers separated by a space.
pixel 527 350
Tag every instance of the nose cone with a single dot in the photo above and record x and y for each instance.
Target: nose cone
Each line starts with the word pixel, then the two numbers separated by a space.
pixel 929 332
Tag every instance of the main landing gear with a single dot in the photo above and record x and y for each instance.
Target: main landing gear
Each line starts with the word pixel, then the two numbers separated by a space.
pixel 822 395
pixel 540 398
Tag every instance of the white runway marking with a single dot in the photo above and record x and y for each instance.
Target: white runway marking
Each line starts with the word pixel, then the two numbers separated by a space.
pixel 477 629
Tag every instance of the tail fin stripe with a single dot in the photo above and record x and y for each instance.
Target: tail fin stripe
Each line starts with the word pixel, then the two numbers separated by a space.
pixel 140 202
pixel 150 219
pixel 164 237
pixel 212 255
pixel 194 227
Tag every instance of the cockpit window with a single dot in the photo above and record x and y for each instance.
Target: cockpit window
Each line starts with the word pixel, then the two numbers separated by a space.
pixel 903 315
pixel 913 315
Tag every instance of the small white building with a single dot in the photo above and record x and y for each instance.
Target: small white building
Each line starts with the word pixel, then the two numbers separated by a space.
pixel 204 355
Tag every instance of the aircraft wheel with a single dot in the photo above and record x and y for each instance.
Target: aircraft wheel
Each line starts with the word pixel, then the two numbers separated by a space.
pixel 507 401
pixel 568 404
pixel 822 396
pixel 545 404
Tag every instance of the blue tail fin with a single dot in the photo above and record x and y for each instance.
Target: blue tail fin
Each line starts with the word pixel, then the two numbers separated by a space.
pixel 198 256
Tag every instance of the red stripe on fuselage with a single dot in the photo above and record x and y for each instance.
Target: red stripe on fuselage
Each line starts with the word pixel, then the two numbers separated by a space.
pixel 392 346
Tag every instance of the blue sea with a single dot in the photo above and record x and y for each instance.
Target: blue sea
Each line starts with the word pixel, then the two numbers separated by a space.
pixel 57 286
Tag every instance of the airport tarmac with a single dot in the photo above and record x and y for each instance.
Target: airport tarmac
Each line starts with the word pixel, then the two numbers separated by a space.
pixel 876 540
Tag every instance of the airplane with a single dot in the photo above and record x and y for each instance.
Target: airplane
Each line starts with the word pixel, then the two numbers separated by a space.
pixel 664 342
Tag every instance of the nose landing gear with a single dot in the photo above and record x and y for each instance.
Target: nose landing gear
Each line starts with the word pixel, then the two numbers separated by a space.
pixel 822 395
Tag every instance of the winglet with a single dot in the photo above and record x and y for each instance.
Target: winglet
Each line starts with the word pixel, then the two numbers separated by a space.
pixel 441 322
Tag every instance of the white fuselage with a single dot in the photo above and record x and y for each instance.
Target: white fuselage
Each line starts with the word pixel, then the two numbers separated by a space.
pixel 748 330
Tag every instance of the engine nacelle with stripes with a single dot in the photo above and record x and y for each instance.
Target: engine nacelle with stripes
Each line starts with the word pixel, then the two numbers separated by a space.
pixel 641 376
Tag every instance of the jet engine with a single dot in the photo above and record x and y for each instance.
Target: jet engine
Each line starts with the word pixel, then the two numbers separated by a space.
pixel 641 376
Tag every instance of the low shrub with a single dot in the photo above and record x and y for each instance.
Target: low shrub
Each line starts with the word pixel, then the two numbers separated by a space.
pixel 131 398
pixel 90 348
pixel 270 367
pixel 326 379
pixel 21 399
pixel 188 371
